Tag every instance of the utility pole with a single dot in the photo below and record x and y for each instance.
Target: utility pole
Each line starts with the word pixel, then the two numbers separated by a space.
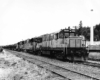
pixel 91 32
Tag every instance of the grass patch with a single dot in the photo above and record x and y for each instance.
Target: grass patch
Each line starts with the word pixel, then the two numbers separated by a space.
pixel 94 56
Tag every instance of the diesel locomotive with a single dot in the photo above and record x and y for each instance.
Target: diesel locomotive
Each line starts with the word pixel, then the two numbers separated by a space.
pixel 65 44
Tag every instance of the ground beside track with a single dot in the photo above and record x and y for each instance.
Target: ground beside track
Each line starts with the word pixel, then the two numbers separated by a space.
pixel 15 68
pixel 94 56
pixel 89 70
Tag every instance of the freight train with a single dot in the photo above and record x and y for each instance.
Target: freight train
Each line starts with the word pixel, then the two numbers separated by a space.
pixel 65 44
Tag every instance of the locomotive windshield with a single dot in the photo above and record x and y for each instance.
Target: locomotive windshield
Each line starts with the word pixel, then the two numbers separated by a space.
pixel 65 33
pixel 72 34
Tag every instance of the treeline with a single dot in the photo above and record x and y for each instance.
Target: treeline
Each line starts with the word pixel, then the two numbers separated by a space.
pixel 85 30
pixel 97 32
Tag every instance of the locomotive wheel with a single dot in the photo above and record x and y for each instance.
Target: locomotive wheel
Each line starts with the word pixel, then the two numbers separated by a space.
pixel 72 58
pixel 85 58
pixel 35 53
pixel 39 53
pixel 52 54
pixel 25 50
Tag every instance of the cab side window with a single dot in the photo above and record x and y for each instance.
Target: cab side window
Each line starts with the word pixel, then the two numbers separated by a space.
pixel 61 35
pixel 66 35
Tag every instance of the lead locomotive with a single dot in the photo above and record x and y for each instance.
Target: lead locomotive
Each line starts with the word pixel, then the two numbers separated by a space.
pixel 63 45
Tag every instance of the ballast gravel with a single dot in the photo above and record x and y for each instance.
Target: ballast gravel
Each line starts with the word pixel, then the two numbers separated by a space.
pixel 15 68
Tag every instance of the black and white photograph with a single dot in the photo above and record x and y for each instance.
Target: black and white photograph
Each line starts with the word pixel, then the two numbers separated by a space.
pixel 49 39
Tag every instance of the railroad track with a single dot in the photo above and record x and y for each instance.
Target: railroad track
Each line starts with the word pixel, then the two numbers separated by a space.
pixel 92 63
pixel 61 71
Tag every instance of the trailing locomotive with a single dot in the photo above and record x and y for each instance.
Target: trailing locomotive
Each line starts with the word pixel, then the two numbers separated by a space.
pixel 65 44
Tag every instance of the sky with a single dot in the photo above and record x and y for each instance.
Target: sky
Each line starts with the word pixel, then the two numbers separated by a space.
pixel 24 19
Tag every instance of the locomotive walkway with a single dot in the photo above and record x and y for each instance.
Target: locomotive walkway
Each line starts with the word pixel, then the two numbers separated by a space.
pixel 62 70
